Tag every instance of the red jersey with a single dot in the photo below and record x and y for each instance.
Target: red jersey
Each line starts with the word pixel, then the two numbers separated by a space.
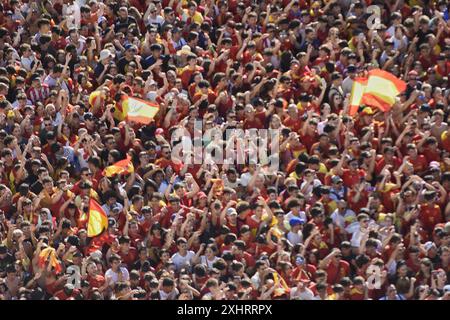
pixel 429 216
pixel 351 178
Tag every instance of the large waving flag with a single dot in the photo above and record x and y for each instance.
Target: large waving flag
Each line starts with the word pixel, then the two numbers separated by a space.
pixel 122 166
pixel 379 90
pixel 139 110
pixel 97 220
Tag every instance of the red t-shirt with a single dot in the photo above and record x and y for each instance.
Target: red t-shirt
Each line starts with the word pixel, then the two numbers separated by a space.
pixel 129 258
pixel 336 273
pixel 420 163
pixel 351 178
pixel 429 216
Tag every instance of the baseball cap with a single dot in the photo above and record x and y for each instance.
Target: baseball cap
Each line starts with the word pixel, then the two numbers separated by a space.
pixel 35 76
pixel 299 260
pixel 97 254
pixel 231 211
pixel 351 68
pixel 130 46
pixel 434 164
pixel 425 108
pixel 336 179
pixel 295 221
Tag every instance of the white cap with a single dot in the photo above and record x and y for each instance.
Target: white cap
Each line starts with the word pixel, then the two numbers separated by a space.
pixel 97 254
pixel 104 54
pixel 184 50
pixel 435 164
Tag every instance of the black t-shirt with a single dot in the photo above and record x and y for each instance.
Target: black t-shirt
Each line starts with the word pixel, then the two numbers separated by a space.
pixel 36 187
pixel 32 178
pixel 422 37
pixel 99 69
pixel 6 260
pixel 123 64
pixel 138 265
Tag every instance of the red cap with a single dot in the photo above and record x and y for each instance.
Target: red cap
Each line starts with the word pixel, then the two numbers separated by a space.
pixel 159 131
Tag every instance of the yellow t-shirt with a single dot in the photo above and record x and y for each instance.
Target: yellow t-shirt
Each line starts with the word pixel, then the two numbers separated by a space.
pixel 197 17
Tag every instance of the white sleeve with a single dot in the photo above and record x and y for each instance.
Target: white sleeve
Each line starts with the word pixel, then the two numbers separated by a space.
pixel 126 274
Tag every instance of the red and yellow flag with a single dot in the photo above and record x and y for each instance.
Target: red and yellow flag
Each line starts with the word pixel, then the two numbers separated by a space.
pixel 139 110
pixel 358 88
pixel 379 90
pixel 122 166
pixel 382 89
pixel 281 285
pixel 97 220
pixel 49 255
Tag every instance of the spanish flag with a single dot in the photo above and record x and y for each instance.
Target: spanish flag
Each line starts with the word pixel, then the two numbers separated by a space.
pixel 139 110
pixel 122 166
pixel 49 255
pixel 379 90
pixel 382 89
pixel 358 88
pixel 97 220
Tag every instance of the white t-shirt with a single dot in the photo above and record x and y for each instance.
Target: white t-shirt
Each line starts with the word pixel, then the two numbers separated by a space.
pixel 340 220
pixel 310 188
pixel 295 238
pixel 356 238
pixel 347 85
pixel 398 42
pixel 208 263
pixel 73 14
pixel 52 82
pixel 256 280
pixel 245 178
pixel 181 261
pixel 158 20
pixel 307 294
pixel 115 275
pixel 26 62
pixel 290 215
pixel 81 158
pixel 169 296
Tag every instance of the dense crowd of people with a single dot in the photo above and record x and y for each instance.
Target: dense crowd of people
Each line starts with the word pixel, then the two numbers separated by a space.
pixel 357 210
